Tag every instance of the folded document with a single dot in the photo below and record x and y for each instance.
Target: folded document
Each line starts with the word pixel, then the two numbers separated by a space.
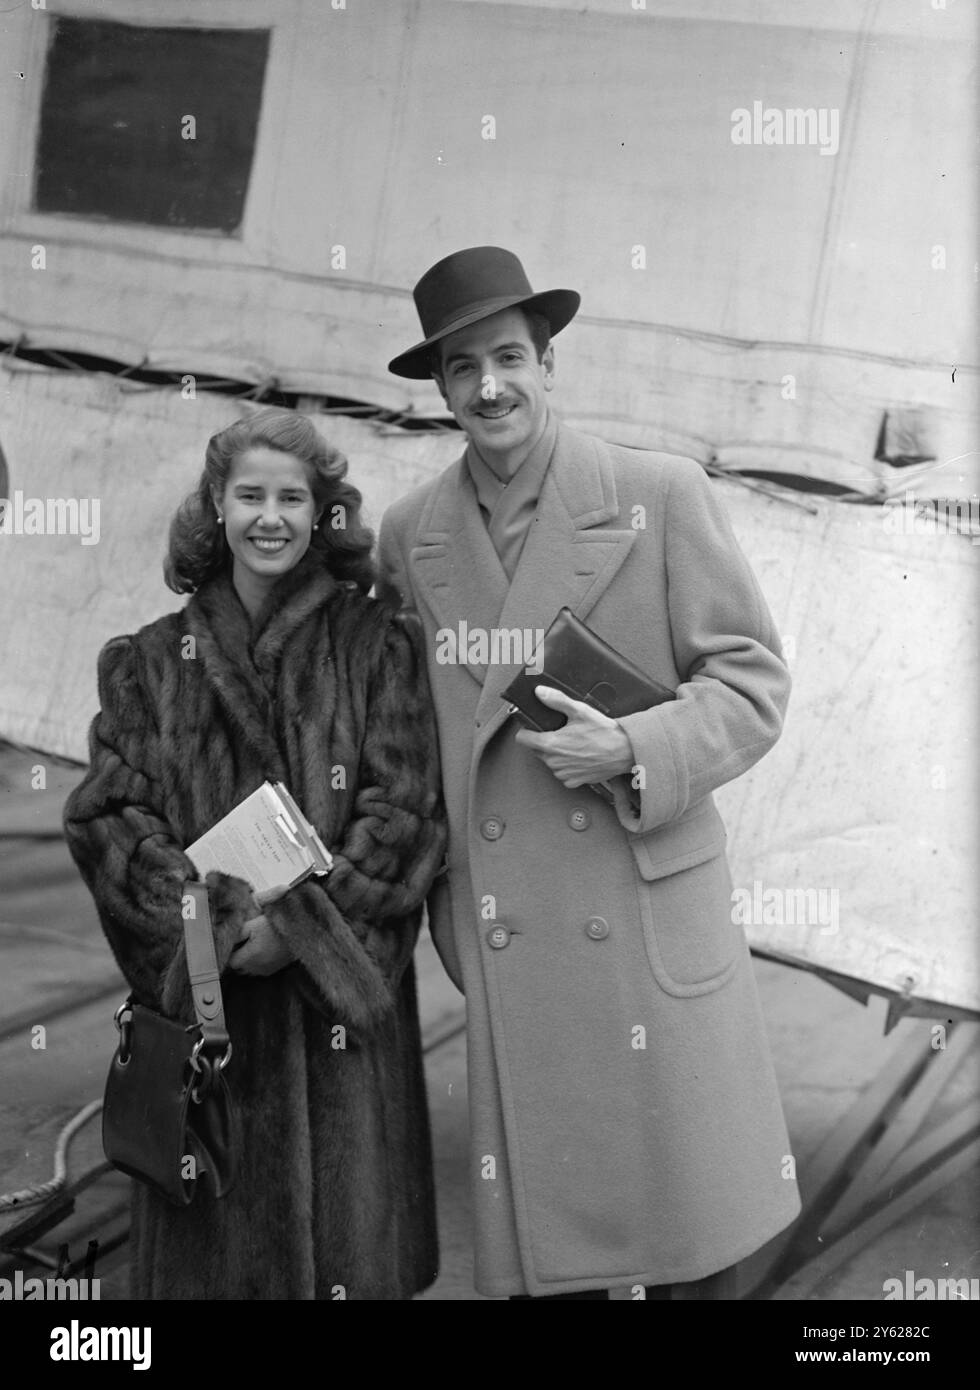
pixel 266 840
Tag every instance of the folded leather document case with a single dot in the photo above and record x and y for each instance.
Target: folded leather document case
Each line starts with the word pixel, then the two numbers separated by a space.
pixel 573 659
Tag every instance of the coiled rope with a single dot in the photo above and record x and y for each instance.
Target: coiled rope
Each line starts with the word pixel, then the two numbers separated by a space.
pixel 38 1192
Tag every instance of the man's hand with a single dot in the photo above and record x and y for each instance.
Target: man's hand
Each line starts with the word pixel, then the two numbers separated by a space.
pixel 259 951
pixel 589 748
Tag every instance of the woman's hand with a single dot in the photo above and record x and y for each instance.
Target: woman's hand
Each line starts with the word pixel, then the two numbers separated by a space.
pixel 260 951
pixel 263 897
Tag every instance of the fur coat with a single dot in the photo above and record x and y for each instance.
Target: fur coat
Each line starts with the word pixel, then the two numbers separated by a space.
pixel 325 692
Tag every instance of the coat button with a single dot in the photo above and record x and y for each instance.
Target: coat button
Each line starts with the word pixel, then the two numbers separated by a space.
pixel 498 936
pixel 597 928
pixel 579 818
pixel 492 828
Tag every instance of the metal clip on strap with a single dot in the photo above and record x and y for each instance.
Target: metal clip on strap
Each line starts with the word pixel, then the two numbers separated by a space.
pixel 202 966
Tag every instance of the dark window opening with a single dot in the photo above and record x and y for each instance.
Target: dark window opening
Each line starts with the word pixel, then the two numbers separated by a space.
pixel 113 122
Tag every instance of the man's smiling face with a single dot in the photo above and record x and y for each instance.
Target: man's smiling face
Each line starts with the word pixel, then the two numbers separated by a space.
pixel 495 385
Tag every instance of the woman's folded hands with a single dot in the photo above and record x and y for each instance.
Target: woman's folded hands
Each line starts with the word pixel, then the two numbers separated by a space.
pixel 260 950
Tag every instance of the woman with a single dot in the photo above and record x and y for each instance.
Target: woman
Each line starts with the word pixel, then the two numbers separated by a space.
pixel 279 667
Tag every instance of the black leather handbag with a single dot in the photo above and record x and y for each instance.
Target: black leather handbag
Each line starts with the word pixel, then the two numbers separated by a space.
pixel 168 1117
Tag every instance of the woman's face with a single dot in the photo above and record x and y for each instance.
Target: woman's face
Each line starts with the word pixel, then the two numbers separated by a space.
pixel 268 513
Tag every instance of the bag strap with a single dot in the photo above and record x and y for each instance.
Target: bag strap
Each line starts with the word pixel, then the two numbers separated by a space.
pixel 202 965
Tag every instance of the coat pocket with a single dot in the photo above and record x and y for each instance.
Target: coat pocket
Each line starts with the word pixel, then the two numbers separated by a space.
pixel 681 844
pixel 692 944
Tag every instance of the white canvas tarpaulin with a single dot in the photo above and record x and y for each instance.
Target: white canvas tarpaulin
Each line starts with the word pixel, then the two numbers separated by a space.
pixel 762 303
pixel 868 803
pixel 136 453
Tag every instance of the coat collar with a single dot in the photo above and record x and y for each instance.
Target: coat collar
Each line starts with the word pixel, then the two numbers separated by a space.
pixel 240 659
pixel 567 558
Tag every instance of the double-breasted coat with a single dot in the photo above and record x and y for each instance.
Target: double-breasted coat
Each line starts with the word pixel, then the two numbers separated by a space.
pixel 625 1121
pixel 327 693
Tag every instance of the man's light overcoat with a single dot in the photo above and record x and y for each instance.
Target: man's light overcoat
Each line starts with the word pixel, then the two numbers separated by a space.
pixel 625 1122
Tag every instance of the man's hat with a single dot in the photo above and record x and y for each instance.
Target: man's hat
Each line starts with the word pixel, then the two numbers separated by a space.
pixel 471 285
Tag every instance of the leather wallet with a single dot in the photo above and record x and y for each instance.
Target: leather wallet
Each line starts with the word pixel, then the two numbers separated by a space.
pixel 573 659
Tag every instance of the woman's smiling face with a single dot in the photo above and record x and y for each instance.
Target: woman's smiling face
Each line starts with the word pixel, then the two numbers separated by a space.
pixel 269 514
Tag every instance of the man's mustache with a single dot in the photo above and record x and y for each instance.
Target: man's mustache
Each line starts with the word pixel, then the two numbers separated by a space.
pixel 496 404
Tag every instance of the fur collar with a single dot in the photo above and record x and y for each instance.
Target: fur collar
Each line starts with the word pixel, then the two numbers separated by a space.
pixel 241 659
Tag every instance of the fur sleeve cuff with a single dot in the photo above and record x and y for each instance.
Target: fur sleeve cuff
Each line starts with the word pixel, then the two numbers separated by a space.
pixel 350 983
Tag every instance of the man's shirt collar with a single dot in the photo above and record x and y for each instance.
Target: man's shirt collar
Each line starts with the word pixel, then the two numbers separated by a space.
pixel 526 482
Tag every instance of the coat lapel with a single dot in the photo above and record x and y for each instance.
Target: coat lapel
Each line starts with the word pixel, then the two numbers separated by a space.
pixel 454 562
pixel 567 559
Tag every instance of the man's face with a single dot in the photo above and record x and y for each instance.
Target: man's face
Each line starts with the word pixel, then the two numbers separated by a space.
pixel 494 383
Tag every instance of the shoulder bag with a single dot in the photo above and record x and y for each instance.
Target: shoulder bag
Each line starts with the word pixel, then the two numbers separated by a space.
pixel 168 1116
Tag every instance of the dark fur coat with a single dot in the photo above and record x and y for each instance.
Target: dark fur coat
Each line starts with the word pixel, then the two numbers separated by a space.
pixel 326 688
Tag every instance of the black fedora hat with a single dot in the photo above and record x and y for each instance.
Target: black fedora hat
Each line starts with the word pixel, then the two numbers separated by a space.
pixel 471 285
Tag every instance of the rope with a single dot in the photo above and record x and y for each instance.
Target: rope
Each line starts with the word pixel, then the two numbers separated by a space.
pixel 38 1192
pixel 777 493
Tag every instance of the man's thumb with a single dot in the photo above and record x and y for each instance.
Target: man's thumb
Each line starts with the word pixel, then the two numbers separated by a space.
pixel 555 699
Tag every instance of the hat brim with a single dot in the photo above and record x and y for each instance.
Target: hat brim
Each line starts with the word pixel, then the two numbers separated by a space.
pixel 558 306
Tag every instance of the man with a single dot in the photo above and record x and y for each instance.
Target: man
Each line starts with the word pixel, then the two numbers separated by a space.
pixel 625 1123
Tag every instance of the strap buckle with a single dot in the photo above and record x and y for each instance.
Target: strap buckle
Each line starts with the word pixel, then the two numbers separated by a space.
pixel 206 1068
pixel 123 1019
